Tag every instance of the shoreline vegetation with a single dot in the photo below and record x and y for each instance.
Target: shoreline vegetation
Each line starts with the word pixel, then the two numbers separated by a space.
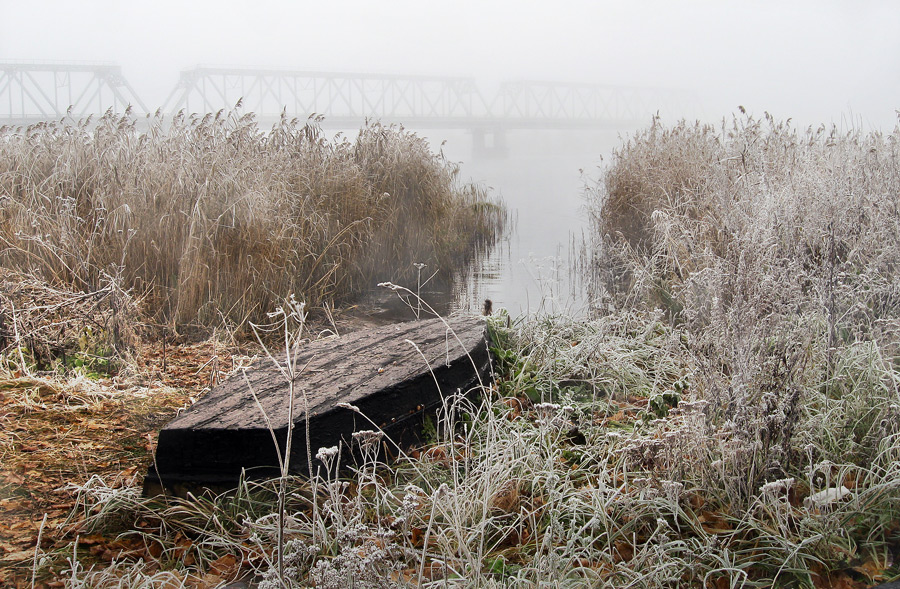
pixel 728 415
pixel 208 221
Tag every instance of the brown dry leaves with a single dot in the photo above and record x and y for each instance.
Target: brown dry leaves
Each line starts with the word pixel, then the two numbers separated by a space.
pixel 53 434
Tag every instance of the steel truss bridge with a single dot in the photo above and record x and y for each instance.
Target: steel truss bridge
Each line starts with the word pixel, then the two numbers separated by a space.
pixel 33 92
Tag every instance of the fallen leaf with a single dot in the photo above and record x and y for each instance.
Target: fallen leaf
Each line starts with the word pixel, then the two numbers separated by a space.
pixel 418 535
pixel 91 539
pixel 506 500
pixel 696 500
pixel 713 523
pixel 223 566
pixel 19 556
pixel 617 416
pixel 208 581
pixel 623 551
pixel 873 570
pixel 155 549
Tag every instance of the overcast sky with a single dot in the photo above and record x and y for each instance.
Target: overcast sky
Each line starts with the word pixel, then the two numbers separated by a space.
pixel 822 61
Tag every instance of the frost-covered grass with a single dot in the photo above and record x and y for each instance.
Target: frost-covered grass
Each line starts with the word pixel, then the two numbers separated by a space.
pixel 598 459
pixel 728 417
pixel 212 220
pixel 753 231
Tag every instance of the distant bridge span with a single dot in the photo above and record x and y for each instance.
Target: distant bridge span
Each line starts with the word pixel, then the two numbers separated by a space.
pixel 32 92
pixel 415 101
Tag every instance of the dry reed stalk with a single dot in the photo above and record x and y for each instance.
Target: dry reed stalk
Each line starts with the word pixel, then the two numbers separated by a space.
pixel 211 217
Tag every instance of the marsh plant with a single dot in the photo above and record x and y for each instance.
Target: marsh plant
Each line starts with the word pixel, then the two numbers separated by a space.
pixel 775 250
pixel 212 218
pixel 729 416
pixel 589 487
pixel 773 254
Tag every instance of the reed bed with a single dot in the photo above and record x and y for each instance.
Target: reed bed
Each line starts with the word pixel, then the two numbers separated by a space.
pixel 729 417
pixel 211 220
pixel 773 253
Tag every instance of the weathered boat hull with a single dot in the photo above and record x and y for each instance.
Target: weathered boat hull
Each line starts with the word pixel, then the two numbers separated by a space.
pixel 392 382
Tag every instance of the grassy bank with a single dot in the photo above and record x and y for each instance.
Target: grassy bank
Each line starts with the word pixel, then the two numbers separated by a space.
pixel 596 460
pixel 212 220
pixel 728 417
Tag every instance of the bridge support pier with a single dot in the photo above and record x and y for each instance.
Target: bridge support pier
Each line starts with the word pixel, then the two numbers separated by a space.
pixel 489 143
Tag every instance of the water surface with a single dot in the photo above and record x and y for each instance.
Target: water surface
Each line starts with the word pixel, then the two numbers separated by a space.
pixel 542 182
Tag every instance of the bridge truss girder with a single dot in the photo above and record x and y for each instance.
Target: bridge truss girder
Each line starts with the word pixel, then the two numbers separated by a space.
pixel 342 97
pixel 32 92
pixel 416 101
pixel 577 104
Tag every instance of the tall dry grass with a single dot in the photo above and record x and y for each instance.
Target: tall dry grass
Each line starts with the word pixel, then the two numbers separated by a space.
pixel 730 419
pixel 212 218
pixel 766 243
pixel 774 256
pixel 755 215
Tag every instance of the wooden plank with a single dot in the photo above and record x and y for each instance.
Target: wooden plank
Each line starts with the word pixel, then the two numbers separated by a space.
pixel 378 370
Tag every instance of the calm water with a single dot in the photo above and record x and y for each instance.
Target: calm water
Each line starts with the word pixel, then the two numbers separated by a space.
pixel 530 270
pixel 543 187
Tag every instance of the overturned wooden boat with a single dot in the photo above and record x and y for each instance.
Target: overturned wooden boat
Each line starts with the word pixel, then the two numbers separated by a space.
pixel 394 375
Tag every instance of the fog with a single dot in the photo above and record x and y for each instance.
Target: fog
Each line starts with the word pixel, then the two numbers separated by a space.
pixel 815 62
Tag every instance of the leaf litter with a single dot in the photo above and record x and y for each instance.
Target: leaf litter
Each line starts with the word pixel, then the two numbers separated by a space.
pixel 55 434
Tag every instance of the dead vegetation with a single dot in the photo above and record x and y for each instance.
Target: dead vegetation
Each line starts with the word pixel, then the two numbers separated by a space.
pixel 729 418
pixel 57 431
pixel 210 220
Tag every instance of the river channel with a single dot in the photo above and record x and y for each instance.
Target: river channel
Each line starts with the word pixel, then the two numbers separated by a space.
pixel 542 182
pixel 533 267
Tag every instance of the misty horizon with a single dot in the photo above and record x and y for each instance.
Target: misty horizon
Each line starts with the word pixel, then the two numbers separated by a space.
pixel 813 62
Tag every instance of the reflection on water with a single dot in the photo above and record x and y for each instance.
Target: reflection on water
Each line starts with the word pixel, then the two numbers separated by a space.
pixel 533 268
pixel 520 284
